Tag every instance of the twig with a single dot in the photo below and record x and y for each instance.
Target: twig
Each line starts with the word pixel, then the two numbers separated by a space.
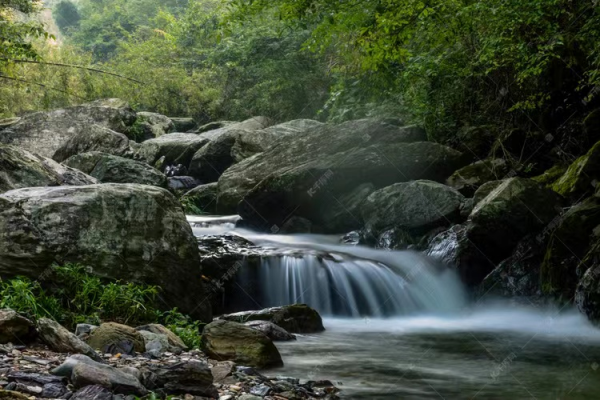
pixel 42 85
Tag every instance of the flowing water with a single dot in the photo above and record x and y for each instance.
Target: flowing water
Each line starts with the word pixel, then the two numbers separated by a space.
pixel 401 326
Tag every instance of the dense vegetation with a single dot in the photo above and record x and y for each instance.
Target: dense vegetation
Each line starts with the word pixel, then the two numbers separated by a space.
pixel 84 298
pixel 533 64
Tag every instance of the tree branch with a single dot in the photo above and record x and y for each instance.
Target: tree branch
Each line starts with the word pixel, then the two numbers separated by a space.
pixel 41 85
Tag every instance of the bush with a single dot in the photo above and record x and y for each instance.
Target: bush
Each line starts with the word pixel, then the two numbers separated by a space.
pixel 183 326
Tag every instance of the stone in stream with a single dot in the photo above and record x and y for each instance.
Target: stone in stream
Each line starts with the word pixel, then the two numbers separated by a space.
pixel 121 231
pixel 108 168
pixel 14 328
pixel 97 139
pixel 114 338
pixel 61 340
pixel 295 318
pixel 20 168
pixel 226 340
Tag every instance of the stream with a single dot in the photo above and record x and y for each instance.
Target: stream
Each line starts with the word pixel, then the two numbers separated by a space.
pixel 401 326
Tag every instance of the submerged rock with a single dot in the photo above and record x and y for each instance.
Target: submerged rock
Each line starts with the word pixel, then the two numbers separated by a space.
pixel 116 338
pixel 122 231
pixel 295 318
pixel 226 340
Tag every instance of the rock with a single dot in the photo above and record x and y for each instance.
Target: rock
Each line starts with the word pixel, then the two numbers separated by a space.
pixel 203 197
pixel 46 386
pixel 260 390
pixel 587 294
pixel 14 328
pixel 183 124
pixel 344 214
pixel 179 184
pixel 476 141
pixel 96 138
pixel 116 338
pixel 92 392
pixel 416 206
pixel 176 148
pixel 61 340
pixel 108 168
pixel 212 160
pixel 174 341
pixel 569 241
pixel 468 179
pixel 152 125
pixel 226 340
pixel 581 176
pixel 296 225
pixel 84 329
pixel 191 377
pixel 53 391
pixel 8 122
pixel 221 370
pixel 211 126
pixel 254 142
pixel 295 318
pixel 251 124
pixel 12 395
pixel 484 190
pixel 273 332
pixel 155 344
pixel 514 209
pixel 20 168
pixel 43 133
pixel 551 175
pixel 117 381
pixel 121 231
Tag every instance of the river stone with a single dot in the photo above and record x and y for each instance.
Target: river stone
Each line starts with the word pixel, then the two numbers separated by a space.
pixel 43 133
pixel 273 332
pixel 203 197
pixel 226 340
pixel 174 341
pixel 176 148
pixel 14 328
pixel 295 318
pixel 191 377
pixel 344 214
pixel 581 175
pixel 20 168
pixel 514 209
pixel 152 125
pixel 121 231
pixel 254 142
pixel 116 338
pixel 108 168
pixel 97 138
pixel 416 206
pixel 61 340
pixel 117 381
pixel 468 179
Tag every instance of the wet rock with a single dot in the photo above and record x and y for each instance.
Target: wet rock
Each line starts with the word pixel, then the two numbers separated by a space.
pixel 97 138
pixel 296 225
pixel 191 377
pixel 152 125
pixel 108 168
pixel 15 328
pixel 273 332
pixel 295 318
pixel 92 392
pixel 416 206
pixel 203 197
pixel 60 339
pixel 345 213
pixel 226 340
pixel 20 168
pixel 116 338
pixel 121 231
pixel 468 179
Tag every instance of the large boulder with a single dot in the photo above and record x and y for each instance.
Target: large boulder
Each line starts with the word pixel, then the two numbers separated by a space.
pixel 174 342
pixel 20 168
pixel 202 198
pixel 273 332
pixel 516 208
pixel 59 339
pixel 254 142
pixel 468 179
pixel 108 168
pixel 296 177
pixel 97 138
pixel 212 160
pixel 14 328
pixel 122 231
pixel 116 338
pixel 226 340
pixel 176 148
pixel 152 125
pixel 251 124
pixel 416 206
pixel 184 124
pixel 581 176
pixel 44 133
pixel 295 318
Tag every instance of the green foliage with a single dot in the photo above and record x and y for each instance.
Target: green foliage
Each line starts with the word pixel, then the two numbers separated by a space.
pixel 184 327
pixel 16 32
pixel 190 208
pixel 27 297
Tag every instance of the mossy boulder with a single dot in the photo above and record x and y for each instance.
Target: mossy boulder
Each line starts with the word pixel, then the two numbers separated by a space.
pixel 295 318
pixel 468 179
pixel 152 125
pixel 114 338
pixel 551 175
pixel 202 198
pixel 173 340
pixel 581 176
pixel 226 340
pixel 568 244
pixel 416 206
pixel 514 209
pixel 108 168
pixel 484 190
pixel 97 138
pixel 20 168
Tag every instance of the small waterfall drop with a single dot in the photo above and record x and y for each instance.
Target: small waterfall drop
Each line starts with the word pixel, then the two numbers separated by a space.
pixel 344 281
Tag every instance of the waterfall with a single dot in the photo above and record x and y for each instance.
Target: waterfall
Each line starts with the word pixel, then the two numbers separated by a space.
pixel 348 281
